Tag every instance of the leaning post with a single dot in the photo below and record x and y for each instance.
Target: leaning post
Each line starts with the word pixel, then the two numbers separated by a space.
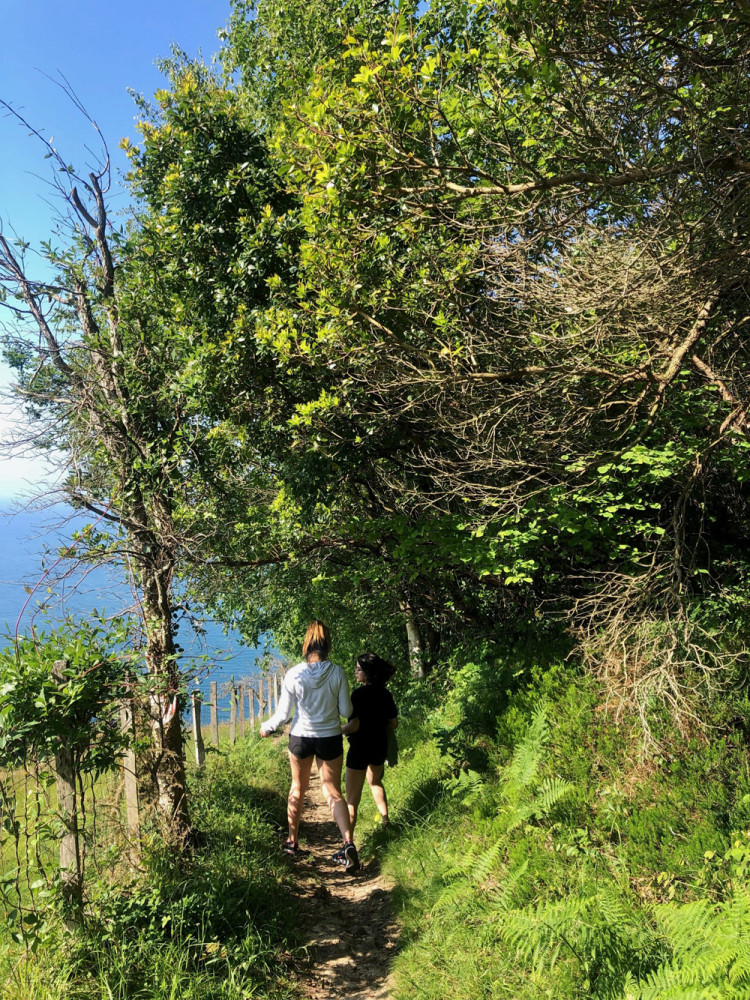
pixel 251 704
pixel 70 852
pixel 214 715
pixel 200 750
pixel 232 712
pixel 130 775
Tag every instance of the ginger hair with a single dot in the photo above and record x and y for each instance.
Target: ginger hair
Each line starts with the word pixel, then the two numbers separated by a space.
pixel 317 640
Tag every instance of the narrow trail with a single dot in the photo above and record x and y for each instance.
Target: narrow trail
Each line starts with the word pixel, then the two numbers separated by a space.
pixel 347 921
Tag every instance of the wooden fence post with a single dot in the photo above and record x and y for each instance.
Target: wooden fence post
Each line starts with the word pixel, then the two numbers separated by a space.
pixel 271 706
pixel 232 713
pixel 130 776
pixel 251 703
pixel 241 697
pixel 261 700
pixel 276 690
pixel 67 807
pixel 200 750
pixel 214 715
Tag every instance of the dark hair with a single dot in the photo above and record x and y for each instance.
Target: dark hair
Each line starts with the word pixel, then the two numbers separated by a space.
pixel 375 668
pixel 317 640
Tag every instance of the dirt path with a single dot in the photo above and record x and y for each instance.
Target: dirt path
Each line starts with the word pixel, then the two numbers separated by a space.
pixel 347 920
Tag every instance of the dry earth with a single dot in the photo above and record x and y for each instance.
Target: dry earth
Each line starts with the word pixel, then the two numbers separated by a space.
pixel 347 921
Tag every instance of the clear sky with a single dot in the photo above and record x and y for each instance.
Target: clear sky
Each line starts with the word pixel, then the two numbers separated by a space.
pixel 103 51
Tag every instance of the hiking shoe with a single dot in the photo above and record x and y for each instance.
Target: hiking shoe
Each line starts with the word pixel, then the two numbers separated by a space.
pixel 290 847
pixel 340 856
pixel 351 858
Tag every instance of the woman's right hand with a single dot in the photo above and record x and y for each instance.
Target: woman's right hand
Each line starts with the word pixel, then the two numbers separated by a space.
pixel 264 733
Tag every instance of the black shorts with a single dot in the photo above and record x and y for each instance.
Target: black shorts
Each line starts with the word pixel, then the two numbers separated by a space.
pixel 324 747
pixel 360 758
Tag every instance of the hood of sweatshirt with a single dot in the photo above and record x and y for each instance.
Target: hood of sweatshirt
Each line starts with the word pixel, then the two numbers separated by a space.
pixel 316 674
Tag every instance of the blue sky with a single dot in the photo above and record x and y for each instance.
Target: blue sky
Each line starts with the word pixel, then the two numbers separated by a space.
pixel 102 50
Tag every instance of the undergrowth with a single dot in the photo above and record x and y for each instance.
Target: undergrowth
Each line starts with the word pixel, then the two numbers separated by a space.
pixel 215 926
pixel 538 850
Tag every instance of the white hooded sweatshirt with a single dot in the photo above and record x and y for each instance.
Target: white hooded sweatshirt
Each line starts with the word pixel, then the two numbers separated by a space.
pixel 317 694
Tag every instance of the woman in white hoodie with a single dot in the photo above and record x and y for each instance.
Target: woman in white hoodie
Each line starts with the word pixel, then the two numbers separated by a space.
pixel 316 693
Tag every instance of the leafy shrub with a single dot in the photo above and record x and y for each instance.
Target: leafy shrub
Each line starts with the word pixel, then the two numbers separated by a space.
pixel 79 708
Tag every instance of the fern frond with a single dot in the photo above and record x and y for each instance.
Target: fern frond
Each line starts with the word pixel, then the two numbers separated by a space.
pixel 454 894
pixel 502 895
pixel 710 948
pixel 523 768
pixel 551 791
pixel 475 868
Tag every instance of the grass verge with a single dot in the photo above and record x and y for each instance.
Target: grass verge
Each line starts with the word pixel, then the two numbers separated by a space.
pixel 216 925
pixel 539 851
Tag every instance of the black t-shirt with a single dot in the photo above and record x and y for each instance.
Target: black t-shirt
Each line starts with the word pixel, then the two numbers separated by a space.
pixel 374 706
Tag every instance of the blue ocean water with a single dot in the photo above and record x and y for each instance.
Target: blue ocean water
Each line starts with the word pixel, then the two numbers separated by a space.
pixel 30 541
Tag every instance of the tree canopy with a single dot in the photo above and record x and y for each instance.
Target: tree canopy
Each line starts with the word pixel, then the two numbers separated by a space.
pixel 431 319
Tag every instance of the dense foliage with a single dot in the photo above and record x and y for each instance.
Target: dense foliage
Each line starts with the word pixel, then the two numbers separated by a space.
pixel 431 321
pixel 540 853
pixel 494 366
pixel 77 704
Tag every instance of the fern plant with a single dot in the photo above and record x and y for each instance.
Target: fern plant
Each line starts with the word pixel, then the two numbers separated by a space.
pixel 467 786
pixel 710 952
pixel 524 798
pixel 601 933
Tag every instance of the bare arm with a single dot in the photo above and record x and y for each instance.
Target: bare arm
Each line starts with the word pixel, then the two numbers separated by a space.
pixel 345 702
pixel 283 713
pixel 351 727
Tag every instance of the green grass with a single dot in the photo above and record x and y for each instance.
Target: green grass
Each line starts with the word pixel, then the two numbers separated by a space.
pixel 219 924
pixel 539 852
pixel 536 850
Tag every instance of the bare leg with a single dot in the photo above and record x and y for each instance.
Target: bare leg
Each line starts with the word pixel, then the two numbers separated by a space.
pixel 375 780
pixel 330 778
pixel 355 782
pixel 301 770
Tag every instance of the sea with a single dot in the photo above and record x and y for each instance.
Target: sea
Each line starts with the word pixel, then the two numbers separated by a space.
pixel 38 589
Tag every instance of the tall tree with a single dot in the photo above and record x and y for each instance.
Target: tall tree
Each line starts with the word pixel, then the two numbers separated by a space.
pixel 524 254
pixel 95 366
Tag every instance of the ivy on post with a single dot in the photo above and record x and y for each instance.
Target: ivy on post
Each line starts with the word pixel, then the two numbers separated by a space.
pixel 70 855
pixel 60 702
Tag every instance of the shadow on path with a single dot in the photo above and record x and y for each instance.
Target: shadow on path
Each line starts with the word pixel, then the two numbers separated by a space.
pixel 348 926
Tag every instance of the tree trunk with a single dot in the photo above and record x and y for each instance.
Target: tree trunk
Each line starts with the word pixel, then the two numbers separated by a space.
pixel 168 763
pixel 414 640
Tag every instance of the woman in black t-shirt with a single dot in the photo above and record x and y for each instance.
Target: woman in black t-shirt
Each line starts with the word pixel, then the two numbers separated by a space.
pixel 374 713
